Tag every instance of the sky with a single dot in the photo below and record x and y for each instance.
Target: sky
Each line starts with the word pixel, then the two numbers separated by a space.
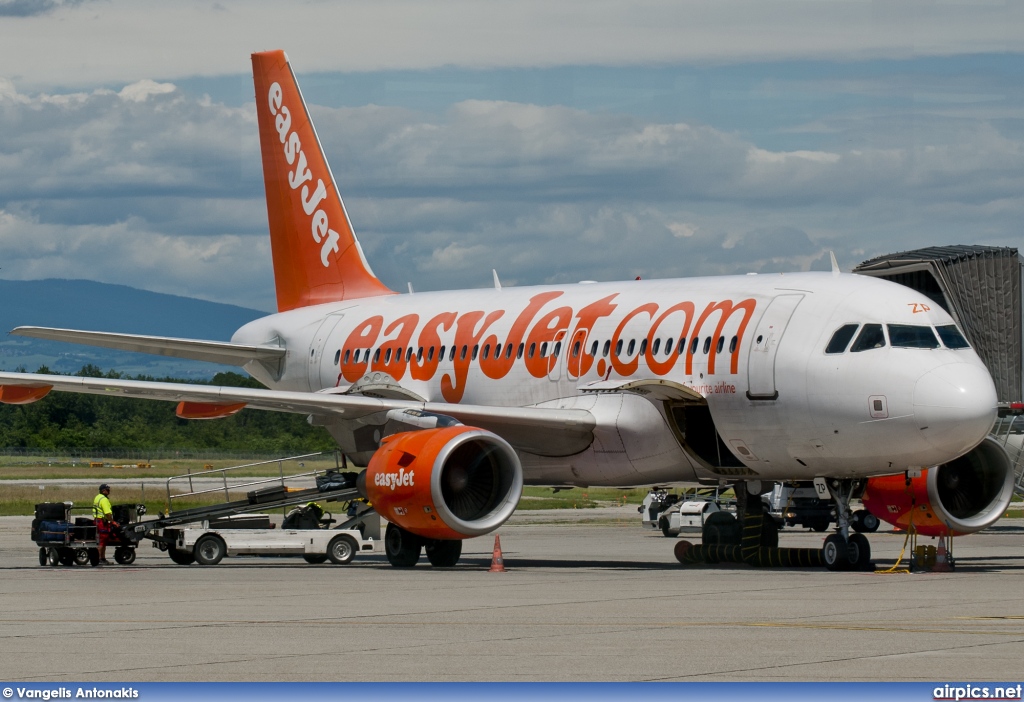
pixel 552 141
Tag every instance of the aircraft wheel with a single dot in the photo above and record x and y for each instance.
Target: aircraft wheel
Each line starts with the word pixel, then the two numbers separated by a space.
pixel 819 525
pixel 859 552
pixel 401 547
pixel 834 552
pixel 124 555
pixel 343 548
pixel 444 554
pixel 315 558
pixel 210 549
pixel 181 557
pixel 869 523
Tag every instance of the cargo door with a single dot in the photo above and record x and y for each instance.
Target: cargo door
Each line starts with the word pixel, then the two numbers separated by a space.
pixel 766 338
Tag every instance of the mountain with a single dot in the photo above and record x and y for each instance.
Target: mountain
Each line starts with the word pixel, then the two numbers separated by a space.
pixel 84 304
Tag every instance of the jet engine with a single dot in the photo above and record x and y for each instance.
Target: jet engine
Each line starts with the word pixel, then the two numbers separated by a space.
pixel 453 482
pixel 960 497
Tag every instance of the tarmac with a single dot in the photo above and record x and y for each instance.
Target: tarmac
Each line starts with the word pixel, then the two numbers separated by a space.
pixel 588 595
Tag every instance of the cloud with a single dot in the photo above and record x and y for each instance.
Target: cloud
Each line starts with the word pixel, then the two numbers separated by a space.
pixel 151 187
pixel 115 41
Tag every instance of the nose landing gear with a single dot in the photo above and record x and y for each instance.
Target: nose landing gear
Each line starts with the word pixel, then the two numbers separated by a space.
pixel 843 550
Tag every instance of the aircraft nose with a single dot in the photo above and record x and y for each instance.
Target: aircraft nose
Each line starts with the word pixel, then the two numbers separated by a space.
pixel 955 406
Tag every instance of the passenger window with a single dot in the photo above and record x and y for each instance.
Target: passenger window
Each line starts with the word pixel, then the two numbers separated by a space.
pixel 870 337
pixel 487 352
pixel 576 349
pixel 544 350
pixel 912 336
pixel 657 345
pixel 732 344
pixel 618 347
pixel 593 349
pixel 376 355
pixel 558 347
pixel 387 356
pixel 348 354
pixel 519 353
pixel 462 354
pixel 508 351
pixel 476 350
pixel 533 349
pixel 607 346
pixel 643 347
pixel 841 339
pixel 632 345
pixel 720 345
pixel 451 353
pixel 707 344
pixel 951 337
pixel 682 346
pixel 430 354
pixel 668 345
pixel 408 354
pixel 693 345
pixel 419 354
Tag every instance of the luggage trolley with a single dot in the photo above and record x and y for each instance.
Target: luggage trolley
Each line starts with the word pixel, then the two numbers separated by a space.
pixel 68 540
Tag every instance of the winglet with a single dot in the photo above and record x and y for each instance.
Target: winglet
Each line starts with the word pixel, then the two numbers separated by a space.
pixel 835 263
pixel 497 283
pixel 316 255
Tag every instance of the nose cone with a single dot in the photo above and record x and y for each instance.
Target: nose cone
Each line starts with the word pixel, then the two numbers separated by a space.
pixel 955 406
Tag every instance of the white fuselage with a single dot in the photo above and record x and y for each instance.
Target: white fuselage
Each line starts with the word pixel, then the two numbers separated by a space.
pixel 750 348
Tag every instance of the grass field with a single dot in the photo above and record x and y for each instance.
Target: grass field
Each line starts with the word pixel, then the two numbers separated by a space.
pixel 34 469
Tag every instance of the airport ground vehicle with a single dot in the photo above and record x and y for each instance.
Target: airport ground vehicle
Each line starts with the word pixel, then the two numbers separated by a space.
pixel 210 545
pixel 673 513
pixel 66 539
pixel 797 504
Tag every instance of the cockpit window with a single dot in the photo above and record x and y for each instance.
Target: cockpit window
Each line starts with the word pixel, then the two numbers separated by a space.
pixel 841 339
pixel 909 336
pixel 952 338
pixel 870 337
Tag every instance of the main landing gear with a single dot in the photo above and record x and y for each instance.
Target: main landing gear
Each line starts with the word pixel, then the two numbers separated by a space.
pixel 403 549
pixel 843 550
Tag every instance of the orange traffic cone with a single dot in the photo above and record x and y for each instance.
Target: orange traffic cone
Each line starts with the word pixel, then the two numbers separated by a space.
pixel 497 562
pixel 942 564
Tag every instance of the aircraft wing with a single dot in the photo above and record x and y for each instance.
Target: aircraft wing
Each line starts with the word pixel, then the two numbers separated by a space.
pixel 547 431
pixel 212 351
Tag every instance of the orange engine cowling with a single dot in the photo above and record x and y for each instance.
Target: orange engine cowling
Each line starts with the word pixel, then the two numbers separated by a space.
pixel 960 497
pixel 447 483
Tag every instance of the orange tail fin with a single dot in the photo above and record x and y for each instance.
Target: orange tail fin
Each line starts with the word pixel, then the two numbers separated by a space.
pixel 316 255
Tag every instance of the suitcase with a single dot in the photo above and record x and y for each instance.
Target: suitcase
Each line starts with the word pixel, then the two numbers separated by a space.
pixel 270 494
pixel 52 530
pixel 122 513
pixel 51 510
pixel 333 480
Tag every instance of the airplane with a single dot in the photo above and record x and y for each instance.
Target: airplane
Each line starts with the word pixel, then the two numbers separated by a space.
pixel 455 400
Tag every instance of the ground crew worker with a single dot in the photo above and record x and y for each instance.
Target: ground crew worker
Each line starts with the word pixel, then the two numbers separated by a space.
pixel 103 517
